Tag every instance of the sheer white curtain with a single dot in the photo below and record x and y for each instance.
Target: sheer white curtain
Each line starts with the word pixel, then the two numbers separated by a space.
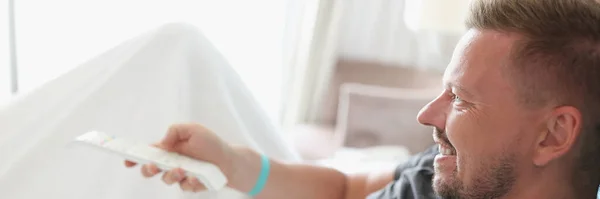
pixel 55 36
pixel 311 54
pixel 4 54
pixel 376 31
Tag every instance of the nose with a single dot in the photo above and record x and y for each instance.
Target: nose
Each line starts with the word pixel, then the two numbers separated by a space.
pixel 433 114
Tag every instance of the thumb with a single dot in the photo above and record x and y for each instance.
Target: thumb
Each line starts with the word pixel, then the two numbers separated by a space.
pixel 174 148
pixel 175 135
pixel 159 145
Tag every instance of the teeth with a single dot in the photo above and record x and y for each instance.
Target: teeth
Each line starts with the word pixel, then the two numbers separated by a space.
pixel 446 151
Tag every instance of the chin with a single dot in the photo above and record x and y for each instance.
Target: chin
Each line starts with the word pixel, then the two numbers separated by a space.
pixel 446 169
pixel 443 177
pixel 445 180
pixel 447 188
pixel 493 178
pixel 438 182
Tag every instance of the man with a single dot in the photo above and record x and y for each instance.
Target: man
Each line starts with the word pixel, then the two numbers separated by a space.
pixel 519 118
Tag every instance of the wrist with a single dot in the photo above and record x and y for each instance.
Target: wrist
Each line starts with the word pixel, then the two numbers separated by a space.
pixel 245 166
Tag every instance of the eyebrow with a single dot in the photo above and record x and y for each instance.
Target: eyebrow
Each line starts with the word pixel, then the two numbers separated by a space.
pixel 460 89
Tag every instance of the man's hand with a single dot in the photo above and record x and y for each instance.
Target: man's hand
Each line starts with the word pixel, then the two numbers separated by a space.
pixel 242 167
pixel 197 142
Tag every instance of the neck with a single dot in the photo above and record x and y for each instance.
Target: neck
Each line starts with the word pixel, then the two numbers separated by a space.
pixel 543 183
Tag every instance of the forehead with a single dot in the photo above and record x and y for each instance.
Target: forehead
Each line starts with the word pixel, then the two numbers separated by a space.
pixel 478 61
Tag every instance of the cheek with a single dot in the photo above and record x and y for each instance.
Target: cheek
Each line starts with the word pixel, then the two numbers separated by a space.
pixel 477 139
pixel 468 134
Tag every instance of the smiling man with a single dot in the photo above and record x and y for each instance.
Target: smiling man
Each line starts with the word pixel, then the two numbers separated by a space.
pixel 519 118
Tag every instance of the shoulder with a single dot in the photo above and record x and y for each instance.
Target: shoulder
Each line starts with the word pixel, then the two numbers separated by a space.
pixel 412 179
pixel 420 162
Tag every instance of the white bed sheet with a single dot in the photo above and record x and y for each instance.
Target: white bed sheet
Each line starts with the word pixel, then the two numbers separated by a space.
pixel 135 90
pixel 364 160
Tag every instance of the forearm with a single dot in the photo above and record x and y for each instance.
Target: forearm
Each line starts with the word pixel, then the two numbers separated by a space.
pixel 290 180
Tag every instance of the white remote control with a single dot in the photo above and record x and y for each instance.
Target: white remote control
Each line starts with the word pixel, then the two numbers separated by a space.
pixel 208 174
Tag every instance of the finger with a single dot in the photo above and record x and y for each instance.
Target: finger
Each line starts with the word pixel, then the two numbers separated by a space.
pixel 198 186
pixel 173 176
pixel 129 164
pixel 191 184
pixel 186 186
pixel 150 170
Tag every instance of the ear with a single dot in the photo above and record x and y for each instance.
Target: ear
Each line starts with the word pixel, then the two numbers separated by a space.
pixel 561 131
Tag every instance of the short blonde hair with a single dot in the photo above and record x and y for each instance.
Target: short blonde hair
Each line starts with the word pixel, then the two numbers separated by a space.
pixel 556 62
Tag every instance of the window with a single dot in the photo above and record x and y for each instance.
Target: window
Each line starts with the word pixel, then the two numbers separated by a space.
pixel 5 91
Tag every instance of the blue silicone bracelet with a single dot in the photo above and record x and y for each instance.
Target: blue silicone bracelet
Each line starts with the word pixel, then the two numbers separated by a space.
pixel 262 178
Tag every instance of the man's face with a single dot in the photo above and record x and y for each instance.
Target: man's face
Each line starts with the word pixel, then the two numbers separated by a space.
pixel 479 124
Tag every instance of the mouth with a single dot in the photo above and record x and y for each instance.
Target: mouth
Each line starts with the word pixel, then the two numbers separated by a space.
pixel 446 161
pixel 444 146
pixel 446 150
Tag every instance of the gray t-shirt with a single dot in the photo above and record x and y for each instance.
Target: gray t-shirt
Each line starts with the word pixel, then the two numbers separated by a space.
pixel 412 179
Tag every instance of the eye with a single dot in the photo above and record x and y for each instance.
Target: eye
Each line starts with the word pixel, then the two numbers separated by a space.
pixel 456 99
